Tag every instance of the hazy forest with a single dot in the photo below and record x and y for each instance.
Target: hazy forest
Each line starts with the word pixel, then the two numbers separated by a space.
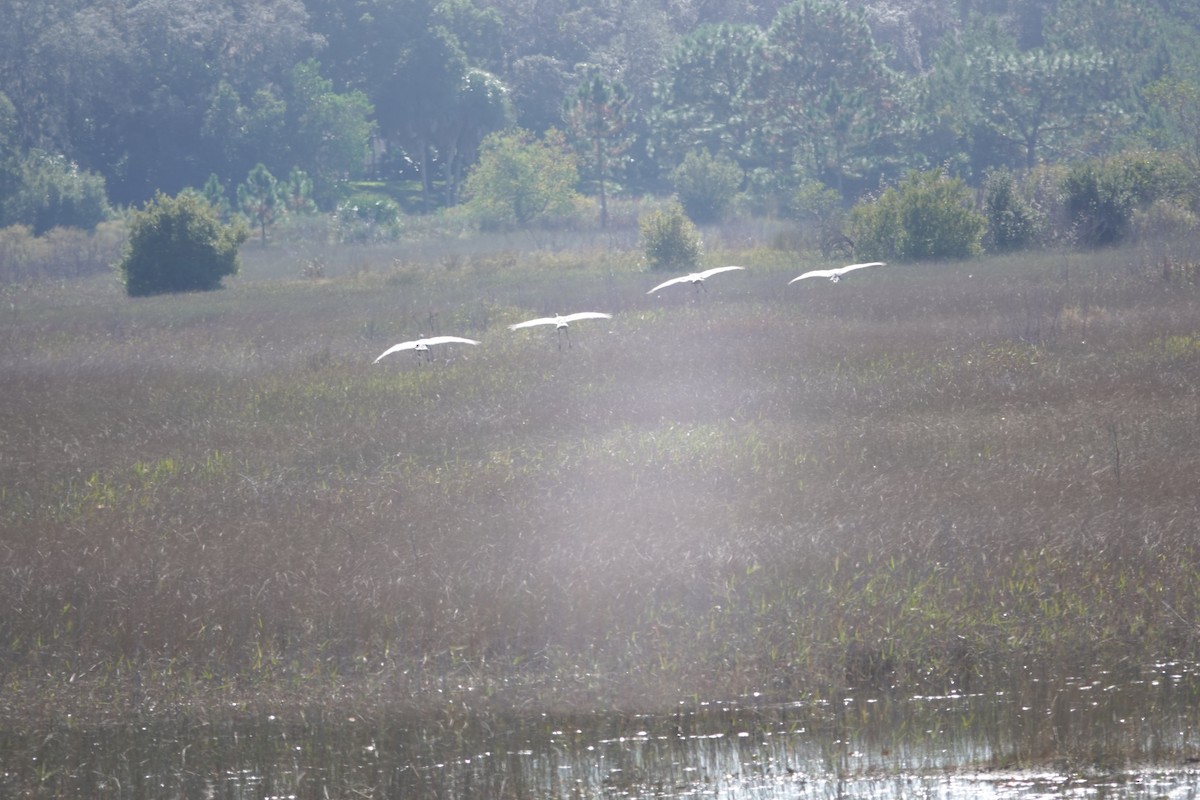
pixel 103 103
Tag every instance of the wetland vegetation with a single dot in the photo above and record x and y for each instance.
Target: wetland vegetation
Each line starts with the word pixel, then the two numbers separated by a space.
pixel 972 482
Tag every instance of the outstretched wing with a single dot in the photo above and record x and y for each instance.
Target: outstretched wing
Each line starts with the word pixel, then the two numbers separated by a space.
pixel 585 315
pixel 395 349
pixel 529 323
pixel 852 267
pixel 447 340
pixel 665 284
pixel 816 273
pixel 708 273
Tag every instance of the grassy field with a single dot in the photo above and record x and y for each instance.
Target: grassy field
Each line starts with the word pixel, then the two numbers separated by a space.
pixel 940 475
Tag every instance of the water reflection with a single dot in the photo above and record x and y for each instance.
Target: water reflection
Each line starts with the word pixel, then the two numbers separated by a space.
pixel 1102 736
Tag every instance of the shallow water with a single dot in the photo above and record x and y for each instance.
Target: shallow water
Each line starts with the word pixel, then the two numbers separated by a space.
pixel 1103 736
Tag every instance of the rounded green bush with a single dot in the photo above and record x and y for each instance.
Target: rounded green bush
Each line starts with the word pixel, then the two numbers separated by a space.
pixel 177 244
pixel 927 216
pixel 706 185
pixel 670 240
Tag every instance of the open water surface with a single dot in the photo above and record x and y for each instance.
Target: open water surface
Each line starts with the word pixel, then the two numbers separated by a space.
pixel 1107 736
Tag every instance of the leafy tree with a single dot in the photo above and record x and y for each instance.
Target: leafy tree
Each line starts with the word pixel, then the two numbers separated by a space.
pixel 177 244
pixel 46 191
pixel 1102 195
pixel 636 51
pixel 418 95
pixel 140 77
pixel 1040 100
pixel 478 28
pixel 366 217
pixel 214 193
pixel 328 132
pixel 1178 102
pixel 259 199
pixel 520 180
pixel 567 31
pixel 706 185
pixel 539 84
pixel 700 99
pixel 42 190
pixel 927 216
pixel 597 116
pixel 236 134
pixel 297 193
pixel 1011 220
pixel 670 240
pixel 822 95
pixel 481 106
pixel 1138 38
pixel 910 30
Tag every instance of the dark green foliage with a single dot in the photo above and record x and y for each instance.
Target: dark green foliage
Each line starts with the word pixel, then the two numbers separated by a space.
pixel 214 193
pixel 670 240
pixel 47 191
pixel 928 216
pixel 520 180
pixel 157 95
pixel 597 117
pixel 177 244
pixel 701 92
pixel 368 217
pixel 1011 220
pixel 259 198
pixel 706 185
pixel 821 96
pixel 329 132
pixel 1178 104
pixel 1102 196
pixel 297 193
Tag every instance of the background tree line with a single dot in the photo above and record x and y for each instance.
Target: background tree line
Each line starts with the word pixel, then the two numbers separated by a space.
pixel 111 101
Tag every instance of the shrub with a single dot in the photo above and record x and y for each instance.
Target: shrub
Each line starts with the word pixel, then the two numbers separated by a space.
pixel 259 198
pixel 815 201
pixel 706 185
pixel 1011 220
pixel 368 217
pixel 177 244
pixel 670 240
pixel 929 215
pixel 1102 196
pixel 47 191
pixel 1043 189
pixel 297 193
pixel 875 227
pixel 1163 220
pixel 520 180
pixel 820 207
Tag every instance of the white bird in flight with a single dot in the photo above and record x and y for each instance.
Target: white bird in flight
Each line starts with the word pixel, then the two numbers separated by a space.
pixel 835 275
pixel 694 278
pixel 561 323
pixel 422 345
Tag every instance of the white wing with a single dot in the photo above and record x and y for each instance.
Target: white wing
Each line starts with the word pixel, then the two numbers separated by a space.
pixel 395 349
pixel 816 273
pixel 585 315
pixel 710 272
pixel 529 323
pixel 852 267
pixel 665 284
pixel 446 340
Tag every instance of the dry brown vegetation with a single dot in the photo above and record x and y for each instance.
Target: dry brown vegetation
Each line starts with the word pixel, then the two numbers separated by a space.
pixel 946 474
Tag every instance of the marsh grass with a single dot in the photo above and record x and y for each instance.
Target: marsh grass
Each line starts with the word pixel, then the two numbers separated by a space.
pixel 946 476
